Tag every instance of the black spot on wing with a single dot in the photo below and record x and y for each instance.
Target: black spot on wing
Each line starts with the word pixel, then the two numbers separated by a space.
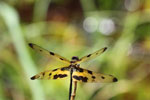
pixel 80 69
pixel 33 78
pixel 105 49
pixel 55 76
pixel 43 73
pixel 52 53
pixel 50 74
pixel 76 77
pixel 61 58
pixel 31 45
pixel 89 55
pixel 83 79
pixel 64 68
pixel 115 79
pixel 102 77
pixel 90 72
pixel 93 77
pixel 41 50
pixel 54 70
pixel 60 76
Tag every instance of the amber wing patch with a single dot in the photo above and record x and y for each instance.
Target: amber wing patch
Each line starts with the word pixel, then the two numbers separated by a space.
pixel 91 56
pixel 59 73
pixel 48 53
pixel 89 76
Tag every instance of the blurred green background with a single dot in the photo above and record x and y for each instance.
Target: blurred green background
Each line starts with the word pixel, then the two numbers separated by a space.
pixel 75 28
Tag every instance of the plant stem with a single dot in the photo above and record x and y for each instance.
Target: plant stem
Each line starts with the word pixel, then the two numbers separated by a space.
pixel 74 91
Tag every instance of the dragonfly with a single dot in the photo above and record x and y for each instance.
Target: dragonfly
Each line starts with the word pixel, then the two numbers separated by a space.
pixel 78 74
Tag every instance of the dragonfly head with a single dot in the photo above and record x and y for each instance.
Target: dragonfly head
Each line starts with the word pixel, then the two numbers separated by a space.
pixel 75 58
pixel 73 61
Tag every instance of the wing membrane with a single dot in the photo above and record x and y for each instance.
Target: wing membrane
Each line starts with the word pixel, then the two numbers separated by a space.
pixel 91 56
pixel 48 53
pixel 83 75
pixel 59 73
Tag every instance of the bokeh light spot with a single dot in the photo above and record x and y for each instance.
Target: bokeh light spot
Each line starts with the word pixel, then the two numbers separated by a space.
pixel 132 5
pixel 90 24
pixel 106 26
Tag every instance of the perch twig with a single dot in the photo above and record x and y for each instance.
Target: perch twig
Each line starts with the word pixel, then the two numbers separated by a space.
pixel 74 90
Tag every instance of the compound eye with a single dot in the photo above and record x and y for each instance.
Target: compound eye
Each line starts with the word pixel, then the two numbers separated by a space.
pixel 75 58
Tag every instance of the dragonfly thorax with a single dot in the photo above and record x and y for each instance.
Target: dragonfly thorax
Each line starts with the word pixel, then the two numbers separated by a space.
pixel 74 66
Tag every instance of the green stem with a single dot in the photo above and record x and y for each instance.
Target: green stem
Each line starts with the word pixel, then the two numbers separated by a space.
pixel 11 19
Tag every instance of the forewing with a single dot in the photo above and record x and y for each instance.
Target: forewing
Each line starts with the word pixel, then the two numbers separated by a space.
pixel 83 75
pixel 91 56
pixel 59 73
pixel 48 53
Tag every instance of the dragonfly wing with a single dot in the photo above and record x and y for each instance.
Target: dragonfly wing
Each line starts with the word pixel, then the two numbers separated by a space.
pixel 91 56
pixel 48 53
pixel 83 75
pixel 59 73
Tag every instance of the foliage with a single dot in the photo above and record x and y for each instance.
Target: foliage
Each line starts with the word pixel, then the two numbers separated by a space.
pixel 69 28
